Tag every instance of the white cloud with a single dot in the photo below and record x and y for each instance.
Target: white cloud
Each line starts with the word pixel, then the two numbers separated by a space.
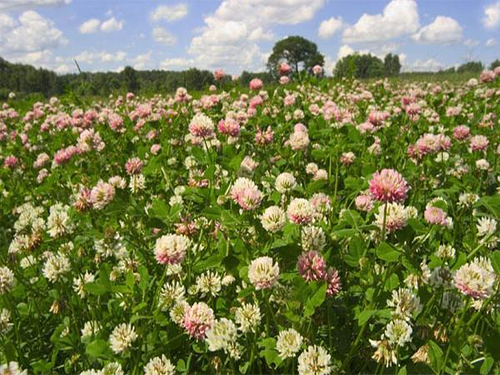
pixel 471 43
pixel 112 25
pixel 429 65
pixel 141 62
pixel 176 64
pixel 329 27
pixel 491 18
pixel 90 26
pixel 169 13
pixel 344 51
pixel 379 51
pixel 30 33
pixel 329 65
pixel 443 30
pixel 63 69
pixel 33 58
pixel 13 4
pixel 163 36
pixel 229 36
pixel 6 23
pixel 491 42
pixel 399 18
pixel 89 57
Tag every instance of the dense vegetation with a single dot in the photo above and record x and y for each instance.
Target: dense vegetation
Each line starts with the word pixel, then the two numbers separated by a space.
pixel 318 227
pixel 297 53
pixel 21 78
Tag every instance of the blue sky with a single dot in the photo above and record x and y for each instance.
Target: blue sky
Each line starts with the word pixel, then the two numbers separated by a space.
pixel 238 35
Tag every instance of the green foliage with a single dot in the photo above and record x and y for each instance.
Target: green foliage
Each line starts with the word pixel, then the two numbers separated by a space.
pixel 392 66
pixel 363 66
pixel 298 52
pixel 471 66
pixel 494 64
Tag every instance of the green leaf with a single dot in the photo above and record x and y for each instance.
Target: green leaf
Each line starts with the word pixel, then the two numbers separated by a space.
pixel 435 356
pixel 97 348
pixel 392 282
pixel 160 209
pixel 212 213
pixel 387 253
pixel 495 261
pixel 97 289
pixel 364 316
pixel 315 300
pixel 181 365
pixel 486 366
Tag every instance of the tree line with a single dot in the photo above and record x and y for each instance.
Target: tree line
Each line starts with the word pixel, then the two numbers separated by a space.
pixel 297 53
pixel 26 79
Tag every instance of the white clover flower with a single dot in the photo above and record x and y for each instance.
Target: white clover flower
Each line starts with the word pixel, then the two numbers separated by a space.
pixel 288 343
pixel 137 183
pixel 178 312
pixel 486 226
pixel 90 328
pixel 263 273
pixel 285 182
pixel 56 266
pixel 248 317
pixel 159 366
pixel 222 334
pixel 12 368
pixel 273 219
pixel 122 338
pixel 398 332
pixel 171 292
pixel 79 283
pixel 113 368
pixel 59 222
pixel 6 280
pixel 315 360
pixel 209 283
pixel 312 238
pixel 405 303
pixel 446 252
pixel 5 323
pixel 476 278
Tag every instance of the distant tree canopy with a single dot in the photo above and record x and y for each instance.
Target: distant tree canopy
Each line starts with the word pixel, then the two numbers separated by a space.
pixel 494 64
pixel 296 51
pixel 27 80
pixel 367 66
pixel 471 67
pixel 392 66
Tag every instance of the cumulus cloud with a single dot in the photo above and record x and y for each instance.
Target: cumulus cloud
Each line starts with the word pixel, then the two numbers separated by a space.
pixel 399 18
pixel 142 61
pixel 169 13
pixel 30 33
pixel 429 65
pixel 176 64
pixel 329 27
pixel 443 30
pixel 93 25
pixel 229 35
pixel 112 24
pixel 13 4
pixel 379 51
pixel 471 43
pixel 491 42
pixel 91 57
pixel 90 26
pixel 491 19
pixel 163 36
